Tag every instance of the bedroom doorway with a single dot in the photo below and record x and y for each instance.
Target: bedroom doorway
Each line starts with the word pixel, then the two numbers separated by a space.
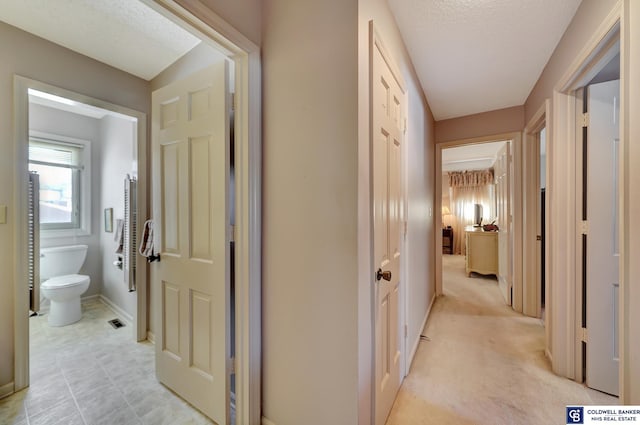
pixel 477 188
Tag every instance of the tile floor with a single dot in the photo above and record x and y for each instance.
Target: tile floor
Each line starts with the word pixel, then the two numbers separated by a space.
pixel 90 373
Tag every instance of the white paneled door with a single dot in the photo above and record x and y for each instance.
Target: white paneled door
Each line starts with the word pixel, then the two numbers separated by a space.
pixel 503 177
pixel 602 236
pixel 190 197
pixel 388 99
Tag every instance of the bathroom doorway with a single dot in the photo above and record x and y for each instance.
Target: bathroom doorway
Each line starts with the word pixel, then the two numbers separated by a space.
pixel 84 155
pixel 46 60
pixel 84 161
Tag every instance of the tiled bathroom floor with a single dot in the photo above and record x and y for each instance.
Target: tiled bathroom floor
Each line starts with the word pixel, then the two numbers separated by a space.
pixel 90 373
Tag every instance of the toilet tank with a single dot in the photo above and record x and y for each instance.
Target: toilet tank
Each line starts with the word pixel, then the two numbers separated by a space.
pixel 61 260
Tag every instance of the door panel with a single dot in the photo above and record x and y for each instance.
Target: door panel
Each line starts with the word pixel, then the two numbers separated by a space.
pixel 191 175
pixel 388 121
pixel 503 198
pixel 602 257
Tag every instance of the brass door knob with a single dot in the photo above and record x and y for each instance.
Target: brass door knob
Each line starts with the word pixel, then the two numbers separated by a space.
pixel 386 275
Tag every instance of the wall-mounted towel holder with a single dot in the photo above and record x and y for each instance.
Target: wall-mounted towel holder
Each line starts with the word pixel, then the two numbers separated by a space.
pixel 129 231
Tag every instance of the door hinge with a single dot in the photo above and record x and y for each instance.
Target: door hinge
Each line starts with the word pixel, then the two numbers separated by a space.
pixel 406 226
pixel 232 365
pixel 232 233
pixel 585 120
pixel 233 101
pixel 406 331
pixel 584 335
pixel 584 227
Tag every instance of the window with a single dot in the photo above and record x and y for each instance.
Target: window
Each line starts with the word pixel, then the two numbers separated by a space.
pixel 64 182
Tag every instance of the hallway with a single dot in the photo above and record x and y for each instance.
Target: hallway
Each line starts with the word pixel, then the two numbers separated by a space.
pixel 483 363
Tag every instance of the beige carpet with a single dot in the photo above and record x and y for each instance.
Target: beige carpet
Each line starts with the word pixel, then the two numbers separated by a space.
pixel 484 364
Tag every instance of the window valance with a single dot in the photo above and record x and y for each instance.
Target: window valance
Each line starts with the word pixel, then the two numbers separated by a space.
pixel 470 178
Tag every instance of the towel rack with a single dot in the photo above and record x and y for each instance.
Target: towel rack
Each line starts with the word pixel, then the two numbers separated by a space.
pixel 33 225
pixel 130 225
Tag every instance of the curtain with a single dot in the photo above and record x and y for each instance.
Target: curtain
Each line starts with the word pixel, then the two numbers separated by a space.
pixel 467 188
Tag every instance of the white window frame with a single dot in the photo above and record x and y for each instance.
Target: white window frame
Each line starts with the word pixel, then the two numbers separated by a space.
pixel 84 229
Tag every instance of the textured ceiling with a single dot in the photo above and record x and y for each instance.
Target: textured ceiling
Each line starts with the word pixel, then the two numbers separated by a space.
pixel 474 56
pixel 125 34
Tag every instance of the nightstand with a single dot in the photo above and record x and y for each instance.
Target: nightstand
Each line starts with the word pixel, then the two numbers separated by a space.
pixel 447 240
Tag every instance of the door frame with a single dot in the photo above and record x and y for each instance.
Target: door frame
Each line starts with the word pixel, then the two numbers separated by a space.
pixel 531 303
pixel 516 138
pixel 21 85
pixel 248 183
pixel 564 242
pixel 247 230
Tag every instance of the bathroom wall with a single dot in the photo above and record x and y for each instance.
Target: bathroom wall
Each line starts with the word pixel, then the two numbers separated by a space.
pixel 200 57
pixel 63 123
pixel 117 159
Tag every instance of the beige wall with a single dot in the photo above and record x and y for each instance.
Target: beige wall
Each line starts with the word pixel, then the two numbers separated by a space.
pixel 589 15
pixel 198 58
pixel 35 58
pixel 419 255
pixel 583 26
pixel 310 216
pixel 243 15
pixel 478 125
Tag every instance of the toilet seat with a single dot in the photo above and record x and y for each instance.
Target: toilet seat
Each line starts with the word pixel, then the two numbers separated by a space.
pixel 65 281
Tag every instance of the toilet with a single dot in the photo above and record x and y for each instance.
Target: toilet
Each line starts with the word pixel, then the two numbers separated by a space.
pixel 61 284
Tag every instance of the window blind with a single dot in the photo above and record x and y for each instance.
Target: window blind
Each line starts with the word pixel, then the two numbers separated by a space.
pixel 54 153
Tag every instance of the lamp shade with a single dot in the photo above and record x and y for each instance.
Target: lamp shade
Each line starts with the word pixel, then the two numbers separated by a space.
pixel 445 210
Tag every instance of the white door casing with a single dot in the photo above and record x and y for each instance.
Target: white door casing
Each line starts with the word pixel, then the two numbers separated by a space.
pixel 532 213
pixel 503 199
pixel 388 110
pixel 190 146
pixel 539 263
pixel 602 237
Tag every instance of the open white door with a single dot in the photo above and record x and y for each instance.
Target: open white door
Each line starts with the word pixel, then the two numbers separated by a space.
pixel 387 138
pixel 602 238
pixel 190 207
pixel 504 200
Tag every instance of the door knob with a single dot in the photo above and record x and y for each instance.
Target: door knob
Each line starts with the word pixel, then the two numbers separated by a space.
pixel 386 275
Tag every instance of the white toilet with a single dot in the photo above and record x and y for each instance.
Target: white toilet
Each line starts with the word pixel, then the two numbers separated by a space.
pixel 61 285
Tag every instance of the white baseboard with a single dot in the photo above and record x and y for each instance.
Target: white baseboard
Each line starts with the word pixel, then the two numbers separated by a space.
pixel 266 421
pixel 90 298
pixel 45 304
pixel 414 350
pixel 117 310
pixel 151 337
pixel 6 390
